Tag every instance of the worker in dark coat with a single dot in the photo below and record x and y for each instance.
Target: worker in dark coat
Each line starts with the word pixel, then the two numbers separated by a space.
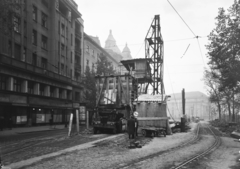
pixel 131 127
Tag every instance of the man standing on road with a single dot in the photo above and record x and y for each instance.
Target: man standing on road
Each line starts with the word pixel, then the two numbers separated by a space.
pixel 135 114
pixel 131 127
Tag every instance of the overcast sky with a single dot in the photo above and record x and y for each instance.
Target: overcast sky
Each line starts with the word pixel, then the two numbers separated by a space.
pixel 130 21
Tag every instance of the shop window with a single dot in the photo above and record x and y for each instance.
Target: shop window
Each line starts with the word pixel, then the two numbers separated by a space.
pixel 30 87
pixel 3 82
pixel 17 85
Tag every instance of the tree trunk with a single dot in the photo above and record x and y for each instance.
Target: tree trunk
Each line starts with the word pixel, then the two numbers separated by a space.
pixel 229 111
pixel 219 111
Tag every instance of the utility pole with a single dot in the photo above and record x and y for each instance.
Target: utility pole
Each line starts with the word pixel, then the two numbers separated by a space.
pixel 183 120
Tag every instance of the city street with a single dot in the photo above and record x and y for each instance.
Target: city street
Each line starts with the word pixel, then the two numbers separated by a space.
pixel 157 152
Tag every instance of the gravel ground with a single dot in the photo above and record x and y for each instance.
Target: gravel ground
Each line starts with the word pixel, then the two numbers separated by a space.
pixel 112 154
pixel 116 154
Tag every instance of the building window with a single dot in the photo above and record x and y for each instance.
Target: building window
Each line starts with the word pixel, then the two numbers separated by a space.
pixel 51 91
pixel 45 3
pixel 17 85
pixel 87 49
pixel 16 24
pixel 44 63
pixel 60 93
pixel 34 59
pixel 62 49
pixel 24 54
pixel 35 13
pixel 77 96
pixel 44 42
pixel 62 29
pixel 41 89
pixel 3 82
pixel 44 20
pixel 62 69
pixel 25 28
pixel 30 87
pixel 17 51
pixel 69 94
pixel 71 39
pixel 34 37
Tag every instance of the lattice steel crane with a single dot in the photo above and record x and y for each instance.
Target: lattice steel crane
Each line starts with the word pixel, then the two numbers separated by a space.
pixel 154 50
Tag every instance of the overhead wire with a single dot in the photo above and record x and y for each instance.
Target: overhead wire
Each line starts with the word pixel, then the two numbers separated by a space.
pixel 182 19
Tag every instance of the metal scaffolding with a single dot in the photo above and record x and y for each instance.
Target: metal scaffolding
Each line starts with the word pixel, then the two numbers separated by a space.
pixel 154 50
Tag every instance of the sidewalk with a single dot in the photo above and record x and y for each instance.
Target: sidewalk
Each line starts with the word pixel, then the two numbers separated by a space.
pixel 22 130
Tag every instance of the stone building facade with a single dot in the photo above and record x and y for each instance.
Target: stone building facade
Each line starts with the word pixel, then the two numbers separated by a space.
pixel 41 63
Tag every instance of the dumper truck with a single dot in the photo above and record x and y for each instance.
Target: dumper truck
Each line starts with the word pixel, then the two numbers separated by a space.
pixel 115 96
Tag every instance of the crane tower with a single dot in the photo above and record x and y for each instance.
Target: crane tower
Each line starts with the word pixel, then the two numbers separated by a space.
pixel 154 51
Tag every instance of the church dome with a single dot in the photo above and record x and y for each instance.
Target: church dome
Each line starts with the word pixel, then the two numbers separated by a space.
pixel 126 53
pixel 110 43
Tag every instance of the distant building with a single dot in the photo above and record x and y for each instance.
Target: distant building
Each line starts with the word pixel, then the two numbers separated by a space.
pixel 126 53
pixel 41 63
pixel 197 105
pixel 92 51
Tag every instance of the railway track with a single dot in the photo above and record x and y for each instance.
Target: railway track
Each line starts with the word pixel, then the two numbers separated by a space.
pixel 216 143
pixel 133 162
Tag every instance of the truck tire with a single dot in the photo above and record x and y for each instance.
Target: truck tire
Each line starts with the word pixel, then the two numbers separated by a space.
pixel 114 130
pixel 144 133
pixel 95 130
pixel 164 133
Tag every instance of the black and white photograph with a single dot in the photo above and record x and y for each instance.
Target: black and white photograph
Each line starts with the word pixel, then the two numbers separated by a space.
pixel 119 84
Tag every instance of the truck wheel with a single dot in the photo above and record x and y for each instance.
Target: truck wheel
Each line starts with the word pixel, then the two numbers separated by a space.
pixel 144 133
pixel 95 130
pixel 164 133
pixel 114 130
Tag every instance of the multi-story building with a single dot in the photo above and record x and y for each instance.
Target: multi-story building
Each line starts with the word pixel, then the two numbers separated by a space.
pixel 41 63
pixel 93 50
